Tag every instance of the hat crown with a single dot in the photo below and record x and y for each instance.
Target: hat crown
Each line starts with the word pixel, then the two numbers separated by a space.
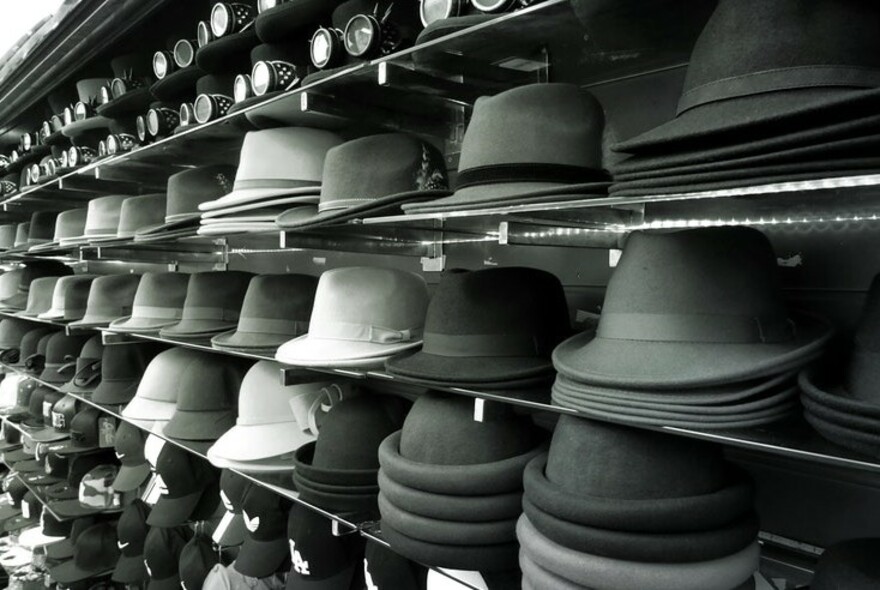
pixel 96 547
pixel 40 294
pixel 70 224
pixel 283 297
pixel 42 226
pixel 9 282
pixel 611 461
pixel 162 289
pixel 159 381
pixel 189 188
pixel 129 443
pixel 7 235
pixel 366 419
pixel 209 382
pixel 92 349
pixel 748 37
pixel 437 424
pixel 90 88
pixel 215 84
pixel 71 293
pixel 132 528
pixel 162 549
pixel 112 292
pixel 29 343
pixel 125 363
pixel 223 290
pixel 22 230
pixel 291 154
pixel 370 168
pixel 139 212
pixel 62 347
pixel 535 124
pixel 267 512
pixel 264 400
pixel 103 215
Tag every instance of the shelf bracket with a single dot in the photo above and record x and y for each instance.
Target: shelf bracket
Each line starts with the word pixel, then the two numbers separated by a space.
pixel 435 261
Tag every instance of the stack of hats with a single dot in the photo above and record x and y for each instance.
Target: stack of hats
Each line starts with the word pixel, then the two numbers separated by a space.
pixel 694 333
pixel 610 506
pixel 340 477
pixel 785 109
pixel 850 564
pixel 158 302
pixel 489 329
pixel 213 304
pixel 388 319
pixel 451 487
pixel 843 403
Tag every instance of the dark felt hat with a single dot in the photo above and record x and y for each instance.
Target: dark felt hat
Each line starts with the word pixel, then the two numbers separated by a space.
pixel 129 92
pixel 283 20
pixel 386 570
pixel 692 308
pixel 33 270
pixel 131 531
pixel 213 304
pixel 12 331
pixel 158 390
pixel 162 549
pixel 61 352
pixel 158 302
pixel 40 231
pixel 375 174
pixel 185 478
pixel 110 297
pixel 7 230
pixel 69 225
pixel 87 374
pixel 179 85
pixel 540 140
pixel 320 559
pixel 229 54
pixel 140 212
pixel 489 325
pixel 89 92
pixel 129 447
pixel 214 98
pixel 64 550
pixel 276 308
pixel 780 79
pixel 265 547
pixel 94 552
pixel 850 564
pixel 287 64
pixel 121 371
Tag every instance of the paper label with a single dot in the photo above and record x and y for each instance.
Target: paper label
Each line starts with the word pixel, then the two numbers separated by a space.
pixel 106 432
pixel 26 510
pixel 222 527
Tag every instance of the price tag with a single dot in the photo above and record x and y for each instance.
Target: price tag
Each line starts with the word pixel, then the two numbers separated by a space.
pixel 26 510
pixel 222 527
pixel 106 432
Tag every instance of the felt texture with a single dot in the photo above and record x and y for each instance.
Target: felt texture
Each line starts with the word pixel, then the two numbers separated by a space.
pixel 855 421
pixel 178 85
pixel 110 297
pixel 228 55
pixel 121 371
pixel 347 502
pixel 186 190
pixel 166 290
pixel 845 436
pixel 388 570
pixel 304 464
pixel 851 564
pixel 220 291
pixel 139 212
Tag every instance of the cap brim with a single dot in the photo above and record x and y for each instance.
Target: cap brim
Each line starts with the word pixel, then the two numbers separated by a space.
pixel 171 512
pixel 61 550
pixel 19 522
pixel 259 559
pixel 34 537
pixel 68 573
pixel 131 477
pixel 248 199
pixel 73 508
pixel 199 425
pixel 148 410
pixel 130 570
pixel 308 350
pixel 260 442
pixel 140 324
pixel 48 435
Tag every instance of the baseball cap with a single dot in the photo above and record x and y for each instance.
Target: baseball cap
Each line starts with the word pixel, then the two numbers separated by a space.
pixel 50 530
pixel 386 570
pixel 131 533
pixel 79 466
pixel 63 412
pixel 11 439
pixel 30 514
pixel 94 552
pixel 64 549
pixel 85 430
pixel 233 488
pixel 21 409
pixel 129 447
pixel 121 371
pixel 34 421
pixel 55 469
pixel 196 560
pixel 95 494
pixel 48 433
pixel 162 549
pixel 184 479
pixel 152 447
pixel 265 545
pixel 320 560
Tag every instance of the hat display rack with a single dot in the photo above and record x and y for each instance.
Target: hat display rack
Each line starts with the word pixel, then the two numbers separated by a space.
pixel 613 329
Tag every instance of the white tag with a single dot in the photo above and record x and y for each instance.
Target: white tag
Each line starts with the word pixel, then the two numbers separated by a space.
pixel 152 493
pixel 47 411
pixel 26 510
pixel 252 524
pixel 614 257
pixel 227 519
pixel 479 409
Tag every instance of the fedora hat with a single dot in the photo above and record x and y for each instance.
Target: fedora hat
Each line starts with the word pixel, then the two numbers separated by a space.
pixel 87 373
pixel 720 320
pixel 388 319
pixel 12 333
pixel 69 225
pixel 276 308
pixel 39 297
pixel 81 119
pixel 282 162
pixel 60 352
pixel 32 270
pixel 778 81
pixel 129 91
pixel 7 235
pixel 159 387
pixel 158 302
pixel 469 323
pixel 9 282
pixel 102 220
pixel 110 297
pixel 39 231
pixel 140 212
pixel 535 142
pixel 28 348
pixel 213 304
pixel 69 298
pixel 268 424
pixel 374 174
pixel 275 68
pixel 121 370
pixel 21 235
pixel 186 190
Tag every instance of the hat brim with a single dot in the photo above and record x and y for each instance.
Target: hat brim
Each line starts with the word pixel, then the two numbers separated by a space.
pixel 53 374
pixel 178 85
pixel 189 219
pixel 204 425
pixel 171 512
pixel 843 436
pixel 472 369
pixel 78 128
pixel 115 392
pixel 308 350
pixel 257 341
pixel 225 54
pixel 41 479
pixel 260 442
pixel 17 302
pixel 68 572
pixel 259 559
pixel 141 325
pixel 34 537
pixel 136 100
pixel 131 477
pixel 277 24
pixel 672 365
pixel 195 328
pixel 254 198
pixel 835 397
pixel 61 550
pixel 148 410
pixel 518 193
pixel 130 570
pixel 266 466
pixel 17 523
pixel 844 419
pixel 93 321
pixel 48 435
pixel 72 508
pixel 388 204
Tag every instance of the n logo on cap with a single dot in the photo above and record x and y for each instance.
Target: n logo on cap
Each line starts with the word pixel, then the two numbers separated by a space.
pixel 252 524
pixel 371 585
pixel 300 565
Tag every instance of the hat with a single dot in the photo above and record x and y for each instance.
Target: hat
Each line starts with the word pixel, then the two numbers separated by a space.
pixel 496 324
pixel 158 302
pixel 213 100
pixel 110 297
pixel 197 558
pixel 88 367
pixel 131 532
pixel 772 85
pixel 129 92
pixel 184 479
pixel 55 470
pixel 319 559
pixel 40 231
pixel 50 531
pixel 48 432
pixel 89 92
pixel 95 494
pixel 135 469
pixel 30 514
pixel 102 219
pixel 213 304
pixel 157 392
pixel 39 297
pixel 11 333
pixel 233 487
pixel 64 549
pixel 162 550
pixel 208 389
pixel 85 427
pixel 60 354
pixel 286 161
pixel 276 308
pixel 539 141
pixel 121 370
pixel 227 54
pixel 388 319
pixel 21 235
pixel 186 190
pixel 69 225
pixel 715 309
pixel 286 64
pixel 283 20
pixel 272 419
pixel 32 270
pixel 359 179
pixel 79 465
pixel 9 281
pixel 69 298
pixel 265 546
pixel 140 212
pixel 386 570
pixel 7 231
pixel 29 349
pixel 94 552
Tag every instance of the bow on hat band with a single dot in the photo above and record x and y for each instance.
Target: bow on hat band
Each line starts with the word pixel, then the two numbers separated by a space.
pixel 776 80
pixel 269 326
pixel 151 311
pixel 211 313
pixel 362 333
pixel 673 327
pixel 524 172
pixel 489 345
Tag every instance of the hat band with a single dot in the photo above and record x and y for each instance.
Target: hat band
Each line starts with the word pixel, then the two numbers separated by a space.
pixel 274 183
pixel 681 327
pixel 210 313
pixel 150 311
pixel 525 172
pixel 362 333
pixel 108 311
pixel 489 345
pixel 266 326
pixel 777 80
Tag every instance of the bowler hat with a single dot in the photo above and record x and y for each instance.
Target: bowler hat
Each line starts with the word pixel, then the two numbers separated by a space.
pixel 162 549
pixel 121 371
pixel 131 531
pixel 276 308
pixel 388 319
pixel 692 308
pixel 159 388
pixel 129 91
pixel 780 78
pixel 537 141
pixel 69 225
pixel 374 174
pixel 110 297
pixel 39 297
pixel 69 298
pixel 87 121
pixel 158 302
pixel 213 304
pixel 265 546
pixel 94 552
pixel 489 325
pixel 140 212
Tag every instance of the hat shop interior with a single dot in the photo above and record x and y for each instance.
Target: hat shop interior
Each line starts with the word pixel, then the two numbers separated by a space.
pixel 440 295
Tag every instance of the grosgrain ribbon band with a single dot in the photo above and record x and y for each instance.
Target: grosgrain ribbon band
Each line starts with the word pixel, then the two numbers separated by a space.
pixel 524 172
pixel 777 80
pixel 487 345
pixel 695 328
pixel 362 333
pixel 275 183
pixel 268 326
pixel 210 313
pixel 154 312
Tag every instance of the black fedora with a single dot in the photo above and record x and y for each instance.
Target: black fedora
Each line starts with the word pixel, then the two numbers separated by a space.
pixel 469 327
pixel 129 90
pixel 692 308
pixel 780 79
pixel 540 142
pixel 213 304
pixel 375 174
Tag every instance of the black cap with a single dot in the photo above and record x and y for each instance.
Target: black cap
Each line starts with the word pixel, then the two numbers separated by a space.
pixel 30 514
pixel 85 432
pixel 53 527
pixel 131 532
pixel 94 552
pixel 162 550
pixel 11 438
pixel 129 447
pixel 15 491
pixel 63 412
pixel 265 546
pixel 185 477
pixel 317 556
pixel 64 549
pixel 196 560
pixel 55 469
pixel 233 488
pixel 35 408
pixel 79 466
pixel 385 569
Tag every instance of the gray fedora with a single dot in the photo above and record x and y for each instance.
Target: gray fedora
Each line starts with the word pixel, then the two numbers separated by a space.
pixel 39 297
pixel 40 231
pixel 213 304
pixel 157 303
pixel 69 298
pixel 7 236
pixel 69 225
pixel 140 212
pixel 110 297
pixel 32 270
pixel 102 220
